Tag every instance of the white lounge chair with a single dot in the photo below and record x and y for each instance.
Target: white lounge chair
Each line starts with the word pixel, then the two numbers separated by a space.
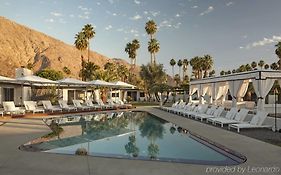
pixel 63 104
pixel 32 106
pixel 201 110
pixel 256 122
pixel 229 115
pixel 128 105
pixel 167 108
pixel 104 106
pixel 115 105
pixel 49 107
pixel 10 108
pixel 217 113
pixel 187 108
pixel 89 103
pixel 78 105
pixel 239 117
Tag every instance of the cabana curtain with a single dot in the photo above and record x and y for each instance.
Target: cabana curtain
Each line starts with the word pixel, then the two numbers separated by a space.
pixel 237 89
pixel 203 89
pixel 262 88
pixel 192 90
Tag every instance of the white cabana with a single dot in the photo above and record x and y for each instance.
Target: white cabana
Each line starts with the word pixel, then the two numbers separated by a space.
pixel 237 85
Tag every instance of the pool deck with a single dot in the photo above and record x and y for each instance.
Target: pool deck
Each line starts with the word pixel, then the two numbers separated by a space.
pixel 15 132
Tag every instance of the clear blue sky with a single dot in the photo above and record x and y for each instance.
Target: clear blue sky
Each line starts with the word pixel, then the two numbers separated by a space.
pixel 233 32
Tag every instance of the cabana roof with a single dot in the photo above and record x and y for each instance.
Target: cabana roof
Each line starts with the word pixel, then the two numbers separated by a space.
pixel 35 79
pixel 101 83
pixel 256 74
pixel 123 84
pixel 6 78
pixel 72 81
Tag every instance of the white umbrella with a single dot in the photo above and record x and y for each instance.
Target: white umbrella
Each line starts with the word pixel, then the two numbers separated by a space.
pixel 72 81
pixel 101 83
pixel 123 84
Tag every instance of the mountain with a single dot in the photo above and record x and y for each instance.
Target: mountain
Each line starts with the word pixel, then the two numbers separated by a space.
pixel 20 45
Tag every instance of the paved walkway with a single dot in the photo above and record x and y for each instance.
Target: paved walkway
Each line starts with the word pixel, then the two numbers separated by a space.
pixel 18 131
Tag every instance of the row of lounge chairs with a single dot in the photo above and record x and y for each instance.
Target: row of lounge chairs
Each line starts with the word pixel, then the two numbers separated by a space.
pixel 31 106
pixel 234 118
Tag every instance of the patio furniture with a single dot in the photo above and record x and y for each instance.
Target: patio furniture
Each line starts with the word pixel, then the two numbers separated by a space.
pixel 229 115
pixel 239 117
pixel 64 106
pixel 49 107
pixel 78 105
pixel 256 122
pixel 10 108
pixel 31 106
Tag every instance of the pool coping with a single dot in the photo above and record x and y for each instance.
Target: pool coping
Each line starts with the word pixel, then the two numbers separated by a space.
pixel 15 162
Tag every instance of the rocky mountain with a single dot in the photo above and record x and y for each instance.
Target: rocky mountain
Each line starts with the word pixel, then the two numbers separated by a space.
pixel 20 45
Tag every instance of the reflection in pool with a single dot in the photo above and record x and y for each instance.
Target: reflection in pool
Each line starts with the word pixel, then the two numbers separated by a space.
pixel 134 135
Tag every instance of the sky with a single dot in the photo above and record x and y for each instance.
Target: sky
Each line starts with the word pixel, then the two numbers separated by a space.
pixel 233 32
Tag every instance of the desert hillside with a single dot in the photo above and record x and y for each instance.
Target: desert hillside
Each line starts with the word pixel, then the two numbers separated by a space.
pixel 20 45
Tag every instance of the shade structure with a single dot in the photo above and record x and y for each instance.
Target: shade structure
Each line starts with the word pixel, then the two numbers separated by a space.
pixel 6 78
pixel 101 83
pixel 123 84
pixel 35 79
pixel 72 81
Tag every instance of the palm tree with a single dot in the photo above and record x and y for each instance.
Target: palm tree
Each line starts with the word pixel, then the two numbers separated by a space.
pixel 195 64
pixel 81 44
pixel 136 46
pixel 274 66
pixel 153 48
pixel 129 50
pixel 177 79
pixel 89 33
pixel 151 28
pixel 261 64
pixel 222 73
pixel 278 53
pixel 248 67
pixel 184 67
pixel 206 64
pixel 254 65
pixel 173 63
pixel 266 66
pixel 123 72
pixel 180 65
pixel 234 71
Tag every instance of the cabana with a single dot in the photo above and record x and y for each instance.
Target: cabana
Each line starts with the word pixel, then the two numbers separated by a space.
pixel 237 85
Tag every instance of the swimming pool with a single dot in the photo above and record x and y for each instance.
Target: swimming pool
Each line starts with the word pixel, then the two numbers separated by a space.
pixel 135 135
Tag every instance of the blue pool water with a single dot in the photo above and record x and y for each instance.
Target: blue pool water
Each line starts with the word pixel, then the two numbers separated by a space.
pixel 135 135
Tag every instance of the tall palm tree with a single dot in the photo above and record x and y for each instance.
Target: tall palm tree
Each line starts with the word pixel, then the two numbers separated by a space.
pixel 151 28
pixel 80 42
pixel 136 46
pixel 180 65
pixel 153 48
pixel 248 67
pixel 173 63
pixel 195 64
pixel 89 33
pixel 207 64
pixel 261 64
pixel 131 49
pixel 185 64
pixel 278 53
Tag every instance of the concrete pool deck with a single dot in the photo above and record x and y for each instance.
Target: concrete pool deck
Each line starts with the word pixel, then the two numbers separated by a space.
pixel 16 132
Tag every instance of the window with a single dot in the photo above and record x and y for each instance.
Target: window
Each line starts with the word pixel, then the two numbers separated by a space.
pixel 8 94
pixel 142 94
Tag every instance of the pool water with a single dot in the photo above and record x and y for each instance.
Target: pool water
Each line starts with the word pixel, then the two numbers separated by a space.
pixel 135 135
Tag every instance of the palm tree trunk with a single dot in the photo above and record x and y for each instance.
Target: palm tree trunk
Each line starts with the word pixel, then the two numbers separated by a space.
pixel 173 72
pixel 88 50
